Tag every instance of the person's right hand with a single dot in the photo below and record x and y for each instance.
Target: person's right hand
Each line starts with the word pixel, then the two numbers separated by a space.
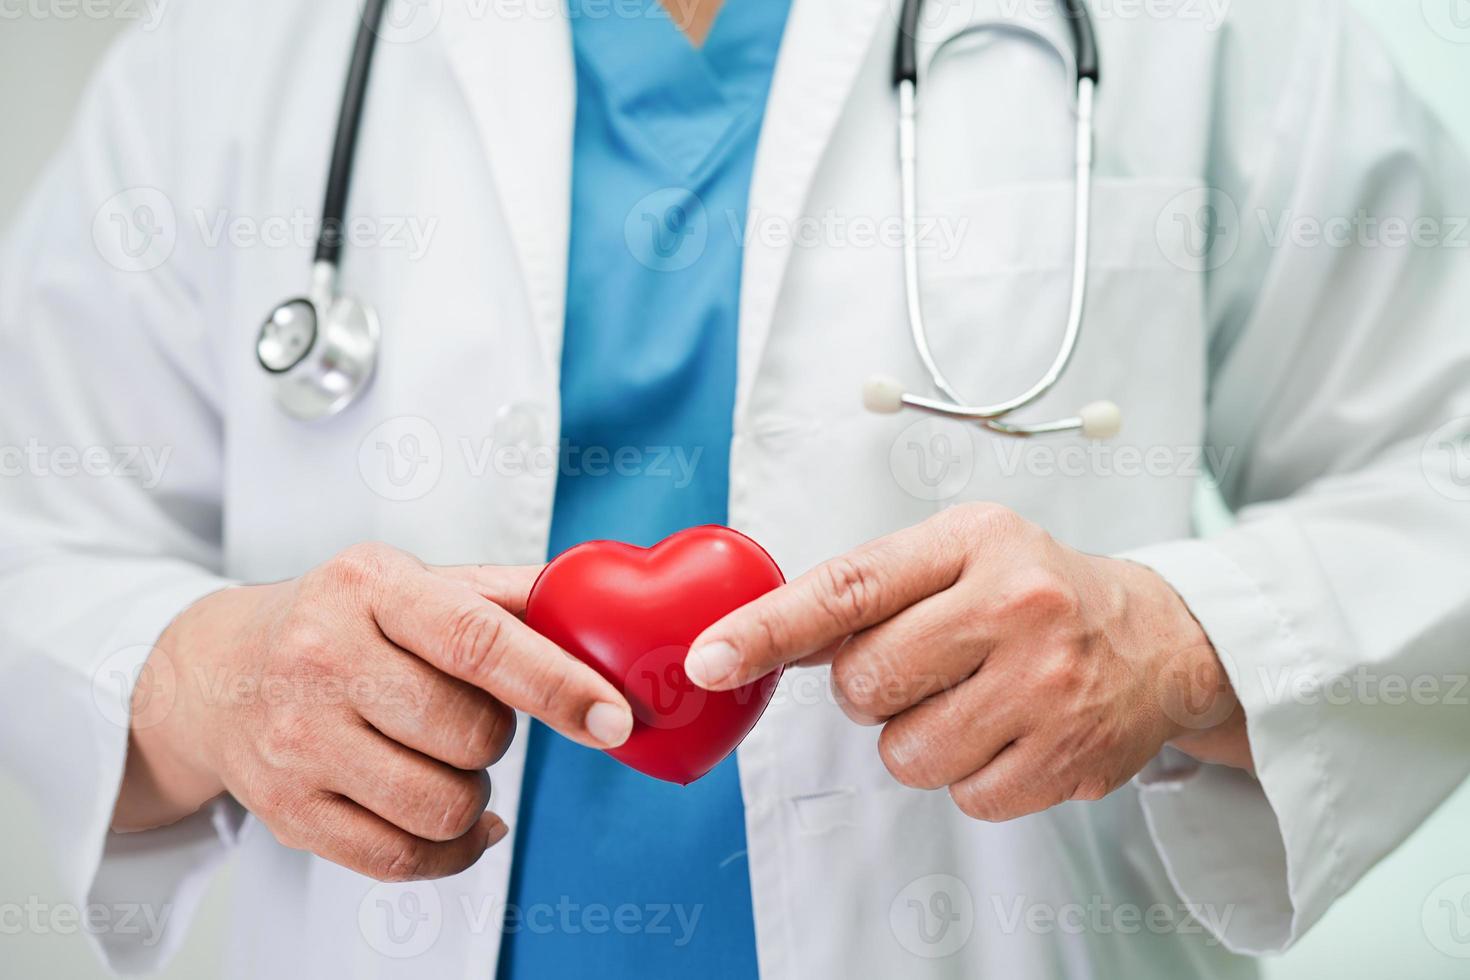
pixel 354 710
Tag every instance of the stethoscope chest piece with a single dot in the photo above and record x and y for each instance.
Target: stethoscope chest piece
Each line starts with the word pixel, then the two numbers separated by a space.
pixel 322 353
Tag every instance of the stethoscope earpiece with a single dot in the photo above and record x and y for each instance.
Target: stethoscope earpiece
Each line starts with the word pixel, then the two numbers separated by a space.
pixel 884 395
pixel 1099 420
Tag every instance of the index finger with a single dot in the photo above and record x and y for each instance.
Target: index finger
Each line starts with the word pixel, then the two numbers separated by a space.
pixel 451 625
pixel 825 606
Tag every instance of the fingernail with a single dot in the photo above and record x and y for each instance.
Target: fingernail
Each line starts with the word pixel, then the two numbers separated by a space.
pixel 609 724
pixel 710 664
pixel 496 834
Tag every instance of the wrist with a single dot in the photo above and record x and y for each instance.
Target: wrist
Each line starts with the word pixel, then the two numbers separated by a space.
pixel 171 768
pixel 1193 691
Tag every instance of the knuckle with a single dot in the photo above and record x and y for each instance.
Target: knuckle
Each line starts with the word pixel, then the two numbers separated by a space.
pixel 553 698
pixel 1059 677
pixel 1042 594
pixel 1091 789
pixel 474 641
pixel 847 589
pixel 306 641
pixel 287 740
pixel 488 735
pixel 774 632
pixel 988 519
pixel 360 565
pixel 276 801
pixel 462 806
pixel 856 686
pixel 398 861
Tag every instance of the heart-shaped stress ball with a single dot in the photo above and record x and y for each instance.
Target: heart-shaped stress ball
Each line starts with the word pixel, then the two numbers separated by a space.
pixel 631 613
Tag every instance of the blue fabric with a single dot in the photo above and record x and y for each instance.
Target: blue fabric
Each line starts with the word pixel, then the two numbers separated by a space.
pixel 617 874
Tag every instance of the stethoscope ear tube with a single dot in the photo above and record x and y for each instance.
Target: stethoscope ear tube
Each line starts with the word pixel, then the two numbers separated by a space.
pixel 349 123
pixel 884 395
pixel 1084 40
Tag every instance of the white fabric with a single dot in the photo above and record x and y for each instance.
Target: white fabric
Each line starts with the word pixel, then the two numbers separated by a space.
pixel 1314 375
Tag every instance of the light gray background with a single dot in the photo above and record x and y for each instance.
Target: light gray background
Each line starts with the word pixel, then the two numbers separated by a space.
pixel 47 50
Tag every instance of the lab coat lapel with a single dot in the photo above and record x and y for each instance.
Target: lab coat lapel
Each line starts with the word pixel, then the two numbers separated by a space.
pixel 519 79
pixel 824 46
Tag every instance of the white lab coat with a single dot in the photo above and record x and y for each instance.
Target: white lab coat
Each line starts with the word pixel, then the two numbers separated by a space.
pixel 1314 373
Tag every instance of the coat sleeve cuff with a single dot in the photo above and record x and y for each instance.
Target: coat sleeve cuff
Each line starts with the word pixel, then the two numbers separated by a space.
pixel 1258 858
pixel 142 888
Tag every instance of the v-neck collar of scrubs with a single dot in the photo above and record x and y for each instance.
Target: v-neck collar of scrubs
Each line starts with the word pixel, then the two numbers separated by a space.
pixel 683 100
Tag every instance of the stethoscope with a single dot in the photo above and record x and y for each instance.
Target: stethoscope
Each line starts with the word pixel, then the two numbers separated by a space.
pixel 1098 420
pixel 321 348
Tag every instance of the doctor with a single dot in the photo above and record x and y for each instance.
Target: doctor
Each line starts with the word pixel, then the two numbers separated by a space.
pixel 649 238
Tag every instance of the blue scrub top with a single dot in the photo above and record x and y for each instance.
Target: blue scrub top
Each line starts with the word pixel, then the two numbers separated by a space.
pixel 617 874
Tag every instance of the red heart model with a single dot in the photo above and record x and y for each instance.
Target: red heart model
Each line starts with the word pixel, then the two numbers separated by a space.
pixel 630 613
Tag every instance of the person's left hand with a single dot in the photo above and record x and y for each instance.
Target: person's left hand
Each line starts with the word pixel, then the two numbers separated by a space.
pixel 1012 669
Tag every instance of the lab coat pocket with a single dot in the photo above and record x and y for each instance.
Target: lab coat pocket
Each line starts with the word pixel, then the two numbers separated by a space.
pixel 997 267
